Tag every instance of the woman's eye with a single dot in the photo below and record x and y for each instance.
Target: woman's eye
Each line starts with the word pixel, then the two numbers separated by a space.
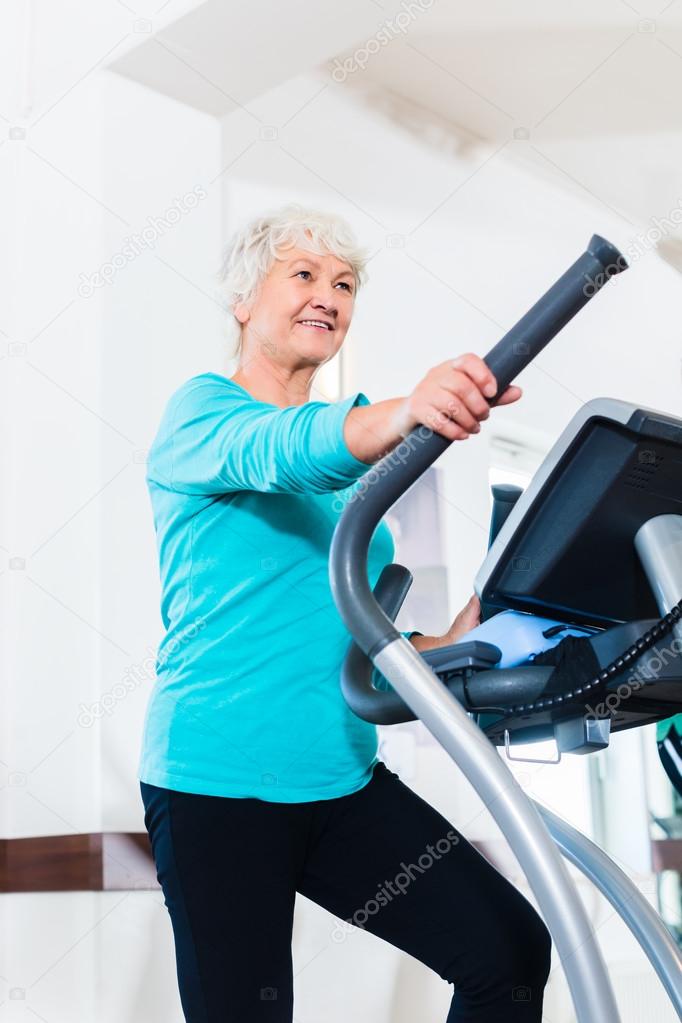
pixel 345 284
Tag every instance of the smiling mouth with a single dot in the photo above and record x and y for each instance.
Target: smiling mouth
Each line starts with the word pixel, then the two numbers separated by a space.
pixel 315 325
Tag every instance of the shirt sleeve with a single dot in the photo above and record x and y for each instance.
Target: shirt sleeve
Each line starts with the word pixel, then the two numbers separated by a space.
pixel 214 439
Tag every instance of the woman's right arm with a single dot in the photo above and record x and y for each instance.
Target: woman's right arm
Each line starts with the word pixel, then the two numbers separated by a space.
pixel 213 440
pixel 451 400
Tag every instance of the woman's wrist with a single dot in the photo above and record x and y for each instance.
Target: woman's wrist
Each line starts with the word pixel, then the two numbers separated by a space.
pixel 372 431
pixel 420 642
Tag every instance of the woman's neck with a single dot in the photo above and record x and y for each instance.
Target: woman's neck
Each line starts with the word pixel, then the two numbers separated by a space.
pixel 274 384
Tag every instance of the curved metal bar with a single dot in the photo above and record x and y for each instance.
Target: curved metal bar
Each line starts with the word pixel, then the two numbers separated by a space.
pixel 519 821
pixel 647 927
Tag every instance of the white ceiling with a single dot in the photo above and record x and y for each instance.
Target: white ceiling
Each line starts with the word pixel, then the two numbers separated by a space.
pixel 590 94
pixel 220 55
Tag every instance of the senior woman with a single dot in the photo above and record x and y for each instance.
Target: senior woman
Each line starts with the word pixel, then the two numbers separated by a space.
pixel 257 780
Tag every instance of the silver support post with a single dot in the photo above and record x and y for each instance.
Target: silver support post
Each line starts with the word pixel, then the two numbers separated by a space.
pixel 659 546
pixel 649 931
pixel 519 821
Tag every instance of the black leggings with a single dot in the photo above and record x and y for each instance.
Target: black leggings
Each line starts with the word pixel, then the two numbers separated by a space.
pixel 380 858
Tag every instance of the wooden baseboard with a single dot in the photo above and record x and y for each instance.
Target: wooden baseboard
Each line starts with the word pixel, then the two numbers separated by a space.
pixel 666 854
pixel 112 861
pixel 104 861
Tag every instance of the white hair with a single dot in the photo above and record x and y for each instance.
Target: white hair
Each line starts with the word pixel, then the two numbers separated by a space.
pixel 251 252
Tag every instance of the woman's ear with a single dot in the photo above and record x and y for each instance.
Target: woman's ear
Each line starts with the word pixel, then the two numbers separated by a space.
pixel 242 312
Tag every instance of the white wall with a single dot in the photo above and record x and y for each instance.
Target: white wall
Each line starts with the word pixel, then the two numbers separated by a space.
pixel 85 397
pixel 160 324
pixel 51 534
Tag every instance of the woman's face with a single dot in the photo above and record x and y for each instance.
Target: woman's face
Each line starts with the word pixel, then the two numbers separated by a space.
pixel 301 286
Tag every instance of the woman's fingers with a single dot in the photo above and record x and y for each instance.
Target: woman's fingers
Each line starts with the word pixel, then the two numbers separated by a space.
pixel 467 619
pixel 461 406
pixel 442 423
pixel 454 397
pixel 478 370
pixel 513 393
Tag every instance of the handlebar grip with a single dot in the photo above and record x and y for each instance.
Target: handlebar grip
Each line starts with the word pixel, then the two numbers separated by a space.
pixel 574 289
pixel 381 707
pixel 505 496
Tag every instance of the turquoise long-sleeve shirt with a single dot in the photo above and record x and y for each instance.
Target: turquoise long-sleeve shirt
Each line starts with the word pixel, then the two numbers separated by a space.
pixel 245 498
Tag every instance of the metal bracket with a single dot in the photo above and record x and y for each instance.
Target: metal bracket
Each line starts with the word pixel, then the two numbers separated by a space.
pixel 527 760
pixel 582 735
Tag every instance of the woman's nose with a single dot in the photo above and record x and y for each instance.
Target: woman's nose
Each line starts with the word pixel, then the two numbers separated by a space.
pixel 324 297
